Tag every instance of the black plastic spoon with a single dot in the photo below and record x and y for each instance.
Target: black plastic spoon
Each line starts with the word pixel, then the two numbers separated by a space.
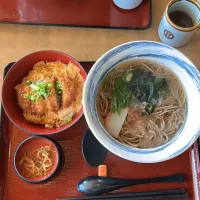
pixel 95 185
pixel 93 151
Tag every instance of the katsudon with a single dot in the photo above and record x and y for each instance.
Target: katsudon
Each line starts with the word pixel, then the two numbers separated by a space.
pixel 51 93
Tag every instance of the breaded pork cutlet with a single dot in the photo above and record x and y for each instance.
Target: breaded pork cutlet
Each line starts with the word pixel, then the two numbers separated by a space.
pixel 68 91
pixel 52 101
pixel 51 93
pixel 23 90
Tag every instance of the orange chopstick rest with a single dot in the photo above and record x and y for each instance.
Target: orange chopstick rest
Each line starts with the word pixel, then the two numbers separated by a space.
pixel 102 171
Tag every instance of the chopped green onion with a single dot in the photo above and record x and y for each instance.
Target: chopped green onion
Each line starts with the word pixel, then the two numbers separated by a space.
pixel 49 85
pixel 34 87
pixel 129 77
pixel 69 119
pixel 33 98
pixel 28 96
pixel 59 91
pixel 28 82
pixel 40 91
pixel 41 84
pixel 150 108
pixel 58 86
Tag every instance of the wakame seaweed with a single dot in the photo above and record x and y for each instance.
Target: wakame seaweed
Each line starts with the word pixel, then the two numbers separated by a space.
pixel 143 86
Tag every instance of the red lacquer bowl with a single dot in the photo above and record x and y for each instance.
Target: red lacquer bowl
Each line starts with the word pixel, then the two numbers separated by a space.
pixel 14 77
pixel 27 146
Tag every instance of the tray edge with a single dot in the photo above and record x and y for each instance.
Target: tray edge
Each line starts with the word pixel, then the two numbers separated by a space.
pixel 194 154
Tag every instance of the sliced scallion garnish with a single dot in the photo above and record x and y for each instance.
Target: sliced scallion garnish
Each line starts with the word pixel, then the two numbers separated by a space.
pixel 28 82
pixel 69 119
pixel 33 98
pixel 49 85
pixel 40 91
pixel 58 87
pixel 34 86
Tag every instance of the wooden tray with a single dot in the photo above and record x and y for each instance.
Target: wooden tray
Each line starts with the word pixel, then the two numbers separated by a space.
pixel 74 167
pixel 80 13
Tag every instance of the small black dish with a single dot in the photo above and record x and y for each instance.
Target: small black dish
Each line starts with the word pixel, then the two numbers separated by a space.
pixel 27 146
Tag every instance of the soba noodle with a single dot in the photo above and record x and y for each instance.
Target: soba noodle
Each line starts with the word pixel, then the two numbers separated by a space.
pixel 142 130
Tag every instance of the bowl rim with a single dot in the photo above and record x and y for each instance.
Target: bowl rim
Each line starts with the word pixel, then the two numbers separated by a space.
pixel 51 132
pixel 58 152
pixel 87 110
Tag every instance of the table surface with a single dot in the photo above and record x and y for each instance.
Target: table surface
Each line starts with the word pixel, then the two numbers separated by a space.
pixel 84 44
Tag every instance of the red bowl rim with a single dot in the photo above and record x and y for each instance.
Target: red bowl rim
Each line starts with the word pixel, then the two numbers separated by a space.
pixel 80 113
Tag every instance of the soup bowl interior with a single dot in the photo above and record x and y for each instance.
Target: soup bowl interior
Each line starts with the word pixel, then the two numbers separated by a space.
pixel 14 77
pixel 168 57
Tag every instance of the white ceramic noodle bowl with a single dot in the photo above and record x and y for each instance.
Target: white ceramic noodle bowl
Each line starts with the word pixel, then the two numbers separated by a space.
pixel 168 57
